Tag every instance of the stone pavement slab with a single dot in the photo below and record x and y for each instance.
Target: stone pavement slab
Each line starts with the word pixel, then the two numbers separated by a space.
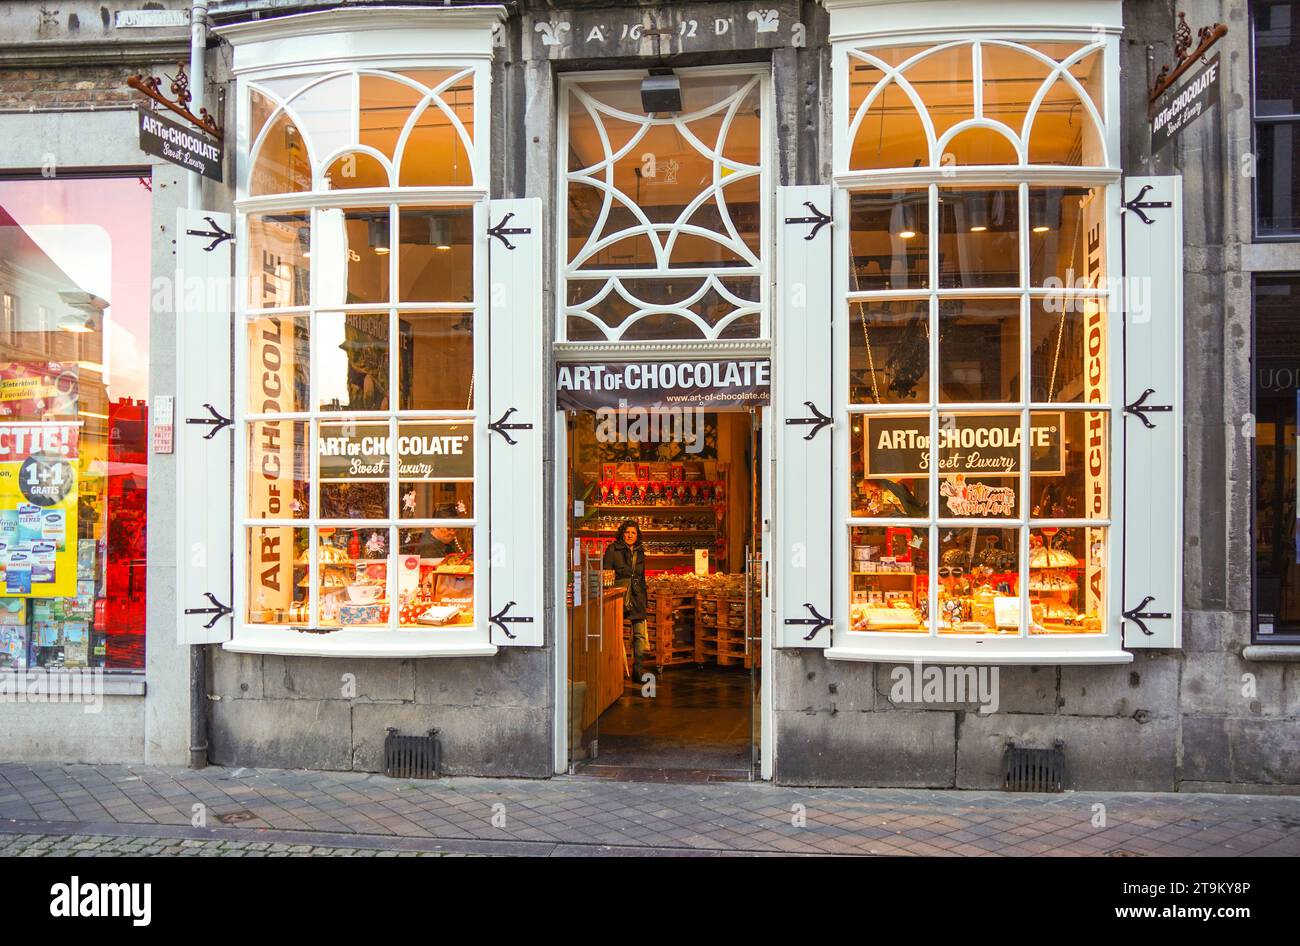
pixel 327 811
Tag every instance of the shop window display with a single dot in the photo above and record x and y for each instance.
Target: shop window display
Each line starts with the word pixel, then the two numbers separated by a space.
pixel 74 354
pixel 978 486
pixel 360 411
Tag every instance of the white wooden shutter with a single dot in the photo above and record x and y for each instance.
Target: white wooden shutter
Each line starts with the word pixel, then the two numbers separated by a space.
pixel 204 437
pixel 515 390
pixel 1152 587
pixel 802 547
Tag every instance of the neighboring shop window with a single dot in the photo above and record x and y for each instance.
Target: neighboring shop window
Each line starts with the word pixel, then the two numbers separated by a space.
pixel 74 387
pixel 978 356
pixel 360 341
pixel 1277 396
pixel 663 236
pixel 1276 34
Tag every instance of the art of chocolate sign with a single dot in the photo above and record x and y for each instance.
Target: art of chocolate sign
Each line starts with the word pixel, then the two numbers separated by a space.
pixel 1185 105
pixel 172 141
pixel 360 452
pixel 898 445
pixel 731 382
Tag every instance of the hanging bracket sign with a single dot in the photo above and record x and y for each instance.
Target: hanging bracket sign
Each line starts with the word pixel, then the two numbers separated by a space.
pixel 714 384
pixel 1185 105
pixel 172 141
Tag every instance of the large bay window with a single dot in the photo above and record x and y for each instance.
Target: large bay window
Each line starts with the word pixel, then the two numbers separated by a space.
pixel 362 448
pixel 974 350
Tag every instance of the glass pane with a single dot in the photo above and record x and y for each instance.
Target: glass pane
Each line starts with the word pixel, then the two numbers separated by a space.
pixel 352 247
pixel 1068 477
pixel 1068 352
pixel 1063 132
pixel 279 562
pixel 1279 178
pixel 1067 580
pixel 436 469
pixel 890 460
pixel 435 255
pixel 325 112
pixel 279 472
pixel 889 578
pixel 278 366
pixel 436 361
pixel 889 352
pixel 74 403
pixel 943 80
pixel 386 104
pixel 353 467
pixel 1276 26
pixel 979 146
pixel 889 239
pixel 279 259
pixel 1067 237
pixel 979 350
pixel 351 361
pixel 891 134
pixel 1011 78
pixel 1277 395
pixel 979 238
pixel 353 577
pixel 282 165
pixel 979 581
pixel 357 169
pixel 436 578
pixel 436 154
pixel 979 462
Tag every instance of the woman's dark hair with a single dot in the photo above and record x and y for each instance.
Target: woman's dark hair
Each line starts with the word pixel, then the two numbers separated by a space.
pixel 629 524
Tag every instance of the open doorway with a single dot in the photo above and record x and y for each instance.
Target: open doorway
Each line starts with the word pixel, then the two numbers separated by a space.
pixel 690 482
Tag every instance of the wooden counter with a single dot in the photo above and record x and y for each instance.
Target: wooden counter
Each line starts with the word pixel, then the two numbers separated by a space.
pixel 597 663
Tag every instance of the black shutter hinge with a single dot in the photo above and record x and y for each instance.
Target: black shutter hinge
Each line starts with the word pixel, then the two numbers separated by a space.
pixel 818 220
pixel 500 427
pixel 818 420
pixel 218 610
pixel 818 621
pixel 1140 408
pixel 500 620
pixel 1137 615
pixel 216 420
pixel 501 231
pixel 1137 204
pixel 216 234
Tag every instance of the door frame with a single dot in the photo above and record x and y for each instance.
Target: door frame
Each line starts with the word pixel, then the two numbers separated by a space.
pixel 562 556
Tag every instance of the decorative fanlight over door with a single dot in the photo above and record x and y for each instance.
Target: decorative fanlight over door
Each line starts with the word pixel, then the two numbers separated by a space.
pixel 664 235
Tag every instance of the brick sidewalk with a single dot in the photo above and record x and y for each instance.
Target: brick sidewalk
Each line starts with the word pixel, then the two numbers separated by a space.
pixel 333 810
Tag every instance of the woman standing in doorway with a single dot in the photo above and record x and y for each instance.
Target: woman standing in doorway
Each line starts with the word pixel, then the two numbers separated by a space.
pixel 626 558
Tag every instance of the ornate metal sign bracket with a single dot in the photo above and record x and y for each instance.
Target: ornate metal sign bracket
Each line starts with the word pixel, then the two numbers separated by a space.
pixel 150 87
pixel 1206 37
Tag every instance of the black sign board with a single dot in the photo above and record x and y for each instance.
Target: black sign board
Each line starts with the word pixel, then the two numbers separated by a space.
pixel 712 384
pixel 1184 105
pixel 184 147
pixel 898 445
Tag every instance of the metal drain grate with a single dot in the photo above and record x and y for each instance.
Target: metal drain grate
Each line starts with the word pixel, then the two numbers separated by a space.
pixel 1034 770
pixel 411 756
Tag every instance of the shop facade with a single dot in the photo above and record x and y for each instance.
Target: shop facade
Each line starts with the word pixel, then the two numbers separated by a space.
pixel 942 366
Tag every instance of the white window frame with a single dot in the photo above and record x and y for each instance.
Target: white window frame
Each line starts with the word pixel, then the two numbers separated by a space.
pixel 904 24
pixel 328 43
pixel 762 271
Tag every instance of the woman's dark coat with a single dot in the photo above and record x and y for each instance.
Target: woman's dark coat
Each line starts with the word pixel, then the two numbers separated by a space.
pixel 628 564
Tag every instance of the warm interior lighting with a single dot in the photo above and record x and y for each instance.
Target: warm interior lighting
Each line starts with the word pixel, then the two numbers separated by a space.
pixel 1041 229
pixel 906 234
pixel 978 229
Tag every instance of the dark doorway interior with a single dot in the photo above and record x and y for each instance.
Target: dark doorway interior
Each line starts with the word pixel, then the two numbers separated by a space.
pixel 696 717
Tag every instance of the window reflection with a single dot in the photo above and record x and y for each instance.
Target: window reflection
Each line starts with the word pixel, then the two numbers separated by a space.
pixel 74 421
